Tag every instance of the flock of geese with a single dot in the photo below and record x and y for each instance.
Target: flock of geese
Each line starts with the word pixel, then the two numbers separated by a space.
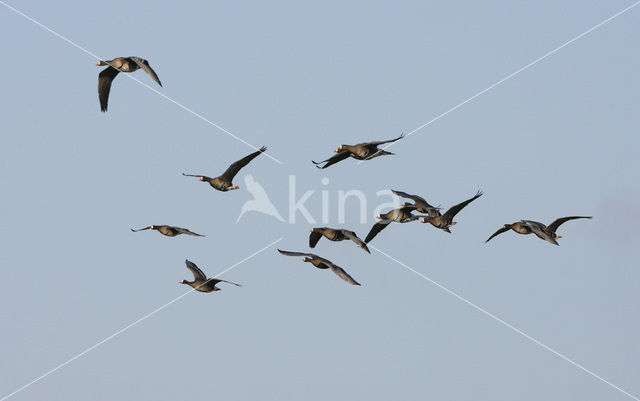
pixel 362 151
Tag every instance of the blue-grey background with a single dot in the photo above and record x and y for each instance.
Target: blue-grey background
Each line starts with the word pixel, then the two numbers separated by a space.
pixel 558 139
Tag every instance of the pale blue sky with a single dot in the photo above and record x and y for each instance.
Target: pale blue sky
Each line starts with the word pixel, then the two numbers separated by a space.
pixel 558 139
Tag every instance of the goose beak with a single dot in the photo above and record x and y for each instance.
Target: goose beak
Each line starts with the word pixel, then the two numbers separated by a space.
pixel 377 216
pixel 311 230
pixel 559 236
pixel 454 223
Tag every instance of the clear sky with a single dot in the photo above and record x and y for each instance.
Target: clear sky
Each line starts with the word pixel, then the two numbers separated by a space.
pixel 558 139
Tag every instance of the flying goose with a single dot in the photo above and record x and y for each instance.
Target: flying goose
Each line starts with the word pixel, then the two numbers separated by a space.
pixel 223 182
pixel 169 231
pixel 120 64
pixel 445 221
pixel 361 151
pixel 201 282
pixel 334 235
pixel 548 233
pixel 401 215
pixel 322 263
pixel 518 226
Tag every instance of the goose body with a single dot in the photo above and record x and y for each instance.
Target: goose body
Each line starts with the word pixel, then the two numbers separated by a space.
pixel 361 151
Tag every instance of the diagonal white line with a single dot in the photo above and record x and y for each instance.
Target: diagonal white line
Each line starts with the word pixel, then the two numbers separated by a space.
pixel 496 318
pixel 183 107
pixel 148 315
pixel 593 28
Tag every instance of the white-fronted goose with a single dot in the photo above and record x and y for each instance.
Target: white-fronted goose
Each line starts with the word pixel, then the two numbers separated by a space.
pixel 120 64
pixel 322 263
pixel 361 151
pixel 444 221
pixel 201 282
pixel 401 215
pixel 420 204
pixel 169 231
pixel 223 182
pixel 548 233
pixel 518 226
pixel 334 235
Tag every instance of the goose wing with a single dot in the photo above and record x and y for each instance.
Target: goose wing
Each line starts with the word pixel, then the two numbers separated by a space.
pixel 376 229
pixel 290 253
pixel 236 166
pixel 144 64
pixel 105 78
pixel 314 237
pixel 339 271
pixel 556 223
pixel 540 230
pixel 376 143
pixel 198 275
pixel 353 237
pixel 186 231
pixel 455 209
pixel 141 229
pixel 500 231
pixel 343 154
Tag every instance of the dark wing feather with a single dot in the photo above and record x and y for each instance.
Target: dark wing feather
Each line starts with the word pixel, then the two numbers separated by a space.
pixel 198 275
pixel 144 64
pixel 344 154
pixel 235 167
pixel 556 223
pixel 185 231
pixel 376 229
pixel 314 237
pixel 289 253
pixel 500 231
pixel 376 143
pixel 339 271
pixel 538 230
pixel 353 237
pixel 455 209
pixel 217 280
pixel 415 198
pixel 105 78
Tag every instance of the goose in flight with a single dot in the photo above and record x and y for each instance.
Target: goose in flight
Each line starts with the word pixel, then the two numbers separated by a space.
pixel 518 226
pixel 322 263
pixel 169 231
pixel 115 66
pixel 335 235
pixel 223 182
pixel 361 151
pixel 401 215
pixel 548 233
pixel 201 282
pixel 445 221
